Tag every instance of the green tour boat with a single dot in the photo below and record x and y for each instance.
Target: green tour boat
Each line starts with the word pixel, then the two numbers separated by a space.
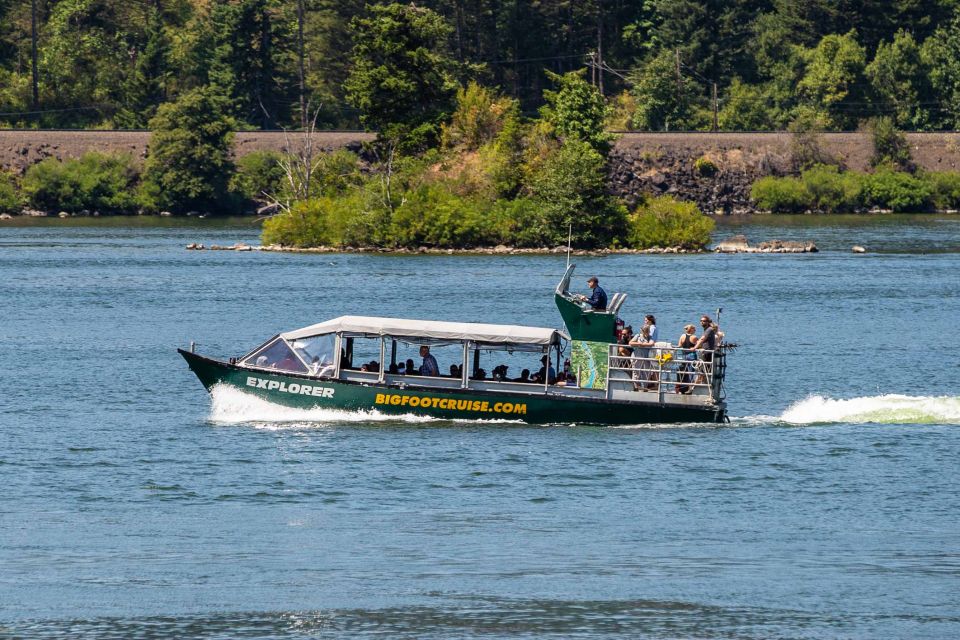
pixel 600 381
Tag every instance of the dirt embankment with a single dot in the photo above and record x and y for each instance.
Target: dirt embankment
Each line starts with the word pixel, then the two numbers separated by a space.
pixel 21 148
pixel 641 163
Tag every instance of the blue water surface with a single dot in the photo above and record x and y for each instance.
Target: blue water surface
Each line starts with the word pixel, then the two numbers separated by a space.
pixel 132 507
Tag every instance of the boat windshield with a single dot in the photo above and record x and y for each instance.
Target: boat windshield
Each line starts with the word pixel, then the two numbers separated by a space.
pixel 318 352
pixel 276 355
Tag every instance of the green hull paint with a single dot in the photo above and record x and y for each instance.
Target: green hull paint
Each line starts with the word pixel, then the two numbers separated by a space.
pixel 453 404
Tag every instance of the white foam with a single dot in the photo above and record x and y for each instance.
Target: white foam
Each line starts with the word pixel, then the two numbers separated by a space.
pixel 883 409
pixel 234 406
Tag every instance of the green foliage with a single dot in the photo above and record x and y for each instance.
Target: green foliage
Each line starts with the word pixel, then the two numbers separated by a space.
pixel 832 190
pixel 829 190
pixel 145 86
pixel 402 79
pixel 190 163
pixel 889 145
pixel 833 80
pixel 781 195
pixel 705 167
pixel 666 222
pixel 259 175
pixel 940 55
pixel 747 108
pixel 897 191
pixel 662 105
pixel 806 149
pixel 945 188
pixel 322 221
pixel 95 181
pixel 899 79
pixel 479 118
pixel 576 110
pixel 570 188
pixel 10 199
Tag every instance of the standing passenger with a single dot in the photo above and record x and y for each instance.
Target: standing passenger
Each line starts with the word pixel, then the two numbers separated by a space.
pixel 706 345
pixel 429 366
pixel 687 342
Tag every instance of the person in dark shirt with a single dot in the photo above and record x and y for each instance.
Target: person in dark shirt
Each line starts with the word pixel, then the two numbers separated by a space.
pixel 598 297
pixel 706 346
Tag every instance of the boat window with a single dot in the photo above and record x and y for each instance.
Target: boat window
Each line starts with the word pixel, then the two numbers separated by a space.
pixel 318 352
pixel 276 355
pixel 363 354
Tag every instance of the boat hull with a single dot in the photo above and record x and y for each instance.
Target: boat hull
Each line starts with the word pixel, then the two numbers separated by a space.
pixel 300 391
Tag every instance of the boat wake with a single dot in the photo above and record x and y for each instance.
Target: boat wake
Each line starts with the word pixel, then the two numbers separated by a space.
pixel 233 406
pixel 883 409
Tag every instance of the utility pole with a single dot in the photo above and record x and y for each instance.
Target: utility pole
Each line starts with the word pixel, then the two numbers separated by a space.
pixel 716 122
pixel 300 56
pixel 600 45
pixel 33 54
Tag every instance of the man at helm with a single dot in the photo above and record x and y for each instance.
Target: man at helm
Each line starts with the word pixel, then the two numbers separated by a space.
pixel 598 297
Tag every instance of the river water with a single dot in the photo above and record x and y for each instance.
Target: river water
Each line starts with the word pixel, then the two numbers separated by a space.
pixel 135 506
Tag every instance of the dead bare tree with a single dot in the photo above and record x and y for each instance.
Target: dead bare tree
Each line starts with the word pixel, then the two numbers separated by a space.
pixel 299 164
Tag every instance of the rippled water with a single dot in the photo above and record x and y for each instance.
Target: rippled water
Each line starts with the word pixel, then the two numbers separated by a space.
pixel 136 506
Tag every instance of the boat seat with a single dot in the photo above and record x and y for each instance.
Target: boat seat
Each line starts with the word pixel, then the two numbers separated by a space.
pixel 616 301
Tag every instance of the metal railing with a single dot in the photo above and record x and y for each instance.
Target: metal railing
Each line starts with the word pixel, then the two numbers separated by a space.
pixel 664 372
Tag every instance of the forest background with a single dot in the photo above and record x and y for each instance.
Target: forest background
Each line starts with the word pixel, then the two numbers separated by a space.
pixel 491 114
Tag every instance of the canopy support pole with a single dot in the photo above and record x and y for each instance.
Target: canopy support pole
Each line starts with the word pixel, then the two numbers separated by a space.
pixel 383 354
pixel 464 369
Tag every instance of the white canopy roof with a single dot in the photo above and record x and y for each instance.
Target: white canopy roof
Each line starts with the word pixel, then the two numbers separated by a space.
pixel 432 330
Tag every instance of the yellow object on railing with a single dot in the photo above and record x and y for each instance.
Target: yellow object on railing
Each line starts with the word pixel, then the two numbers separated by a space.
pixel 664 357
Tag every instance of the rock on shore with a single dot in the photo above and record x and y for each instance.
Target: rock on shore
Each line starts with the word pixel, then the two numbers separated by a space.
pixel 739 244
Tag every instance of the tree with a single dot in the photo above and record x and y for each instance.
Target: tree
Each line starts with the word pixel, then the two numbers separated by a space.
pixel 664 98
pixel 577 110
pixel 190 162
pixel 146 86
pixel 402 79
pixel 833 81
pixel 746 108
pixel 251 59
pixel 899 80
pixel 940 54
pixel 570 187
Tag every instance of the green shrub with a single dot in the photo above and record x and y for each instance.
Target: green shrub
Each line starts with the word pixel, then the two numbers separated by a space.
pixel 10 199
pixel 889 144
pixel 897 191
pixel 666 222
pixel 105 182
pixel 570 188
pixel 705 167
pixel 781 195
pixel 323 221
pixel 432 215
pixel 832 190
pixel 190 164
pixel 945 188
pixel 258 173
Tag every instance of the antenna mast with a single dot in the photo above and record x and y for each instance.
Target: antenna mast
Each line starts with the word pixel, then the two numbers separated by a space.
pixel 569 238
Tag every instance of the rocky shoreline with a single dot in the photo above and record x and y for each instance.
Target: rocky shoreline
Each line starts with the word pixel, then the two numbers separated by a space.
pixel 736 244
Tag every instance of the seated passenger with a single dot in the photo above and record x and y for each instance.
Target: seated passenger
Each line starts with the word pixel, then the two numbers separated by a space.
pixel 454 371
pixel 429 366
pixel 261 361
pixel 598 298
pixel 394 369
pixel 524 376
pixel 546 373
pixel 411 369
pixel 500 373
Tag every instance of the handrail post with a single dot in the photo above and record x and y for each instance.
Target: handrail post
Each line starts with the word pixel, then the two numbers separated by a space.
pixel 383 354
pixel 660 377
pixel 607 386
